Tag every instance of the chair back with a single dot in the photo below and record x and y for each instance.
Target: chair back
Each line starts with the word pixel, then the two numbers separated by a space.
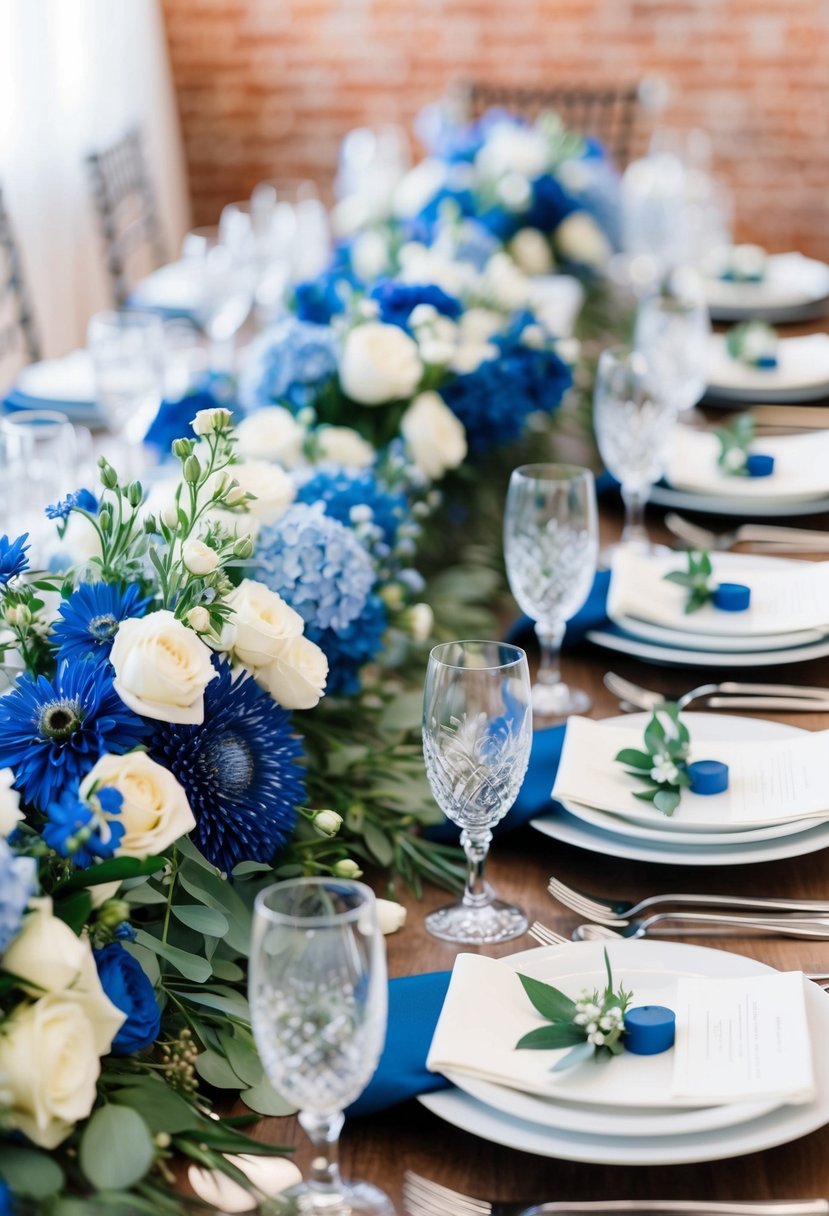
pixel 19 342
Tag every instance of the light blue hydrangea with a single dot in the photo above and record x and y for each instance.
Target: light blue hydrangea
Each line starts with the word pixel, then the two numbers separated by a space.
pixel 317 565
pixel 288 365
pixel 17 884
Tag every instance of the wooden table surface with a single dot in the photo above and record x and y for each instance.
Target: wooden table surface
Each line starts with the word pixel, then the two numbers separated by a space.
pixel 382 1147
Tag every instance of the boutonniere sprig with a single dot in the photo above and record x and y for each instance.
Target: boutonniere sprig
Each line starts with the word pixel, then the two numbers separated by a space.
pixel 753 343
pixel 592 1025
pixel 663 762
pixel 696 579
pixel 735 441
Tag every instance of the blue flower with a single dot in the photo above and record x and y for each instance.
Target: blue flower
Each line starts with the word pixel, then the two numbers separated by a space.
pixel 83 499
pixel 90 618
pixel 289 365
pixel 351 648
pixel 6 1200
pixel 358 498
pixel 127 985
pixel 317 564
pixel 239 769
pixel 398 300
pixel 550 204
pixel 17 884
pixel 76 829
pixel 13 560
pixel 53 731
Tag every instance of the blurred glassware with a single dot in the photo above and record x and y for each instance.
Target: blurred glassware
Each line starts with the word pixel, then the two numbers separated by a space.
pixel 185 358
pixel 673 332
pixel 294 222
pixel 42 461
pixel 551 543
pixel 127 352
pixel 633 420
pixel 224 288
pixel 318 1001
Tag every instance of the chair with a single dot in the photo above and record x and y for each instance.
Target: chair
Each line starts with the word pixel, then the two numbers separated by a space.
pixel 18 332
pixel 609 114
pixel 127 211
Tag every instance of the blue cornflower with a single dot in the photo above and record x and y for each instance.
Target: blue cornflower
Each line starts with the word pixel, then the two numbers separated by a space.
pixel 290 364
pixel 240 770
pixel 317 565
pixel 81 830
pixel 84 499
pixel 13 559
pixel 398 300
pixel 358 498
pixel 351 648
pixel 53 731
pixel 18 877
pixel 90 618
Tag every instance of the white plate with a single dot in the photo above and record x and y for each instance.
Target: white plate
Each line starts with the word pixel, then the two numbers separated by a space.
pixel 607 822
pixel 686 640
pixel 796 289
pixel 744 508
pixel 802 373
pixel 674 656
pixel 779 1126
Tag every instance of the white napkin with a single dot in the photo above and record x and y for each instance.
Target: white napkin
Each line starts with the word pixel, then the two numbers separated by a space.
pixel 791 280
pixel 802 363
pixel 768 782
pixel 69 379
pixel 786 596
pixel 178 286
pixel 801 466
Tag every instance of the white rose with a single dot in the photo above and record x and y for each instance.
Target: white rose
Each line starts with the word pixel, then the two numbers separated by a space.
pixel 10 813
pixel 531 251
pixel 478 325
pixel 198 557
pixel 155 811
pixel 50 1064
pixel 343 445
pixel 579 238
pixel 272 433
pixel 48 957
pixel 379 363
pixel 260 624
pixel 391 916
pixel 370 255
pixel 504 284
pixel 420 619
pixel 296 678
pixel 161 668
pixel 208 421
pixel 421 265
pixel 272 487
pixel 419 186
pixel 435 438
pixel 469 357
pixel 511 148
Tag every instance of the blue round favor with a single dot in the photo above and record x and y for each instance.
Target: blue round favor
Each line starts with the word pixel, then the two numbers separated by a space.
pixel 650 1029
pixel 758 464
pixel 766 363
pixel 731 597
pixel 708 777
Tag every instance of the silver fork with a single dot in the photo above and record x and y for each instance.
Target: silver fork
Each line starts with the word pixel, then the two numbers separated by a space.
pixel 547 937
pixel 800 540
pixel 731 926
pixel 619 911
pixel 421 1197
pixel 795 696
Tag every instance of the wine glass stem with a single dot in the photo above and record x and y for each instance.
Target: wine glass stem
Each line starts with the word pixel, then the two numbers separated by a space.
pixel 324 1182
pixel 634 529
pixel 476 847
pixel 550 637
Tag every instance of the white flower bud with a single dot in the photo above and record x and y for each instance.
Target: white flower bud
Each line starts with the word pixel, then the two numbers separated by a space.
pixel 198 618
pixel 328 822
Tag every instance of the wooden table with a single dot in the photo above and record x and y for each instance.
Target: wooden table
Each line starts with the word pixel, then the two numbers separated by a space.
pixel 382 1147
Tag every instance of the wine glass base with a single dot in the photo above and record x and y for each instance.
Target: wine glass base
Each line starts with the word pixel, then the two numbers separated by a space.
pixel 468 925
pixel 354 1199
pixel 556 701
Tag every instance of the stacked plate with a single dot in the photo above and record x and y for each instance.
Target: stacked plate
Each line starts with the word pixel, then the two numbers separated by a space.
pixel 694 835
pixel 801 374
pixel 787 622
pixel 66 385
pixel 793 288
pixel 174 291
pixel 622 1113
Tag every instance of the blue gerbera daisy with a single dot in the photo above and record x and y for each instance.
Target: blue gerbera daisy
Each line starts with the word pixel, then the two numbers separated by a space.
pixel 53 731
pixel 13 559
pixel 90 618
pixel 239 769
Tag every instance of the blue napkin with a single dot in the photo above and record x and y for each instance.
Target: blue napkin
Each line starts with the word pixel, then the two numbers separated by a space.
pixel 77 411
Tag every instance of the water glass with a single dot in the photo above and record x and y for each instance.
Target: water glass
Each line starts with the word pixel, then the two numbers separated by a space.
pixel 127 352
pixel 39 455
pixel 224 288
pixel 477 734
pixel 673 332
pixel 633 420
pixel 551 542
pixel 318 999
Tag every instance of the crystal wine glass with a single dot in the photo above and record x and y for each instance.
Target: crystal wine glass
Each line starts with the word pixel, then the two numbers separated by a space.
pixel 127 352
pixel 318 998
pixel 673 332
pixel 551 542
pixel 633 419
pixel 224 287
pixel 477 734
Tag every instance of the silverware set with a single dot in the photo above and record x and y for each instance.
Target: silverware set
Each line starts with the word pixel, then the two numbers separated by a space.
pixel 727 694
pixel 766 538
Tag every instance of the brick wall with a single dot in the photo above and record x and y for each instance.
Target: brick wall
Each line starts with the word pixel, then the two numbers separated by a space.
pixel 268 87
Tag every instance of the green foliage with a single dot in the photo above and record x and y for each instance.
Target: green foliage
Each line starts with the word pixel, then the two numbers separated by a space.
pixel 663 764
pixel 735 440
pixel 696 580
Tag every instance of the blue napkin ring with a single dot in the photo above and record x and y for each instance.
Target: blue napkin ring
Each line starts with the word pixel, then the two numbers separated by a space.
pixel 758 464
pixel 650 1029
pixel 731 597
pixel 708 777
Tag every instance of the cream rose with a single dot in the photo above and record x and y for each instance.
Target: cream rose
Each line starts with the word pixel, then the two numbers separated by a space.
pixel 379 363
pixel 161 668
pixel 273 489
pixel 50 1064
pixel 436 439
pixel 155 811
pixel 207 421
pixel 10 813
pixel 272 433
pixel 297 676
pixel 579 238
pixel 343 445
pixel 531 251
pixel 198 557
pixel 260 625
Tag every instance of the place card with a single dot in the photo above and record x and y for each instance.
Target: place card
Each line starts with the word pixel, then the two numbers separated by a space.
pixel 742 1039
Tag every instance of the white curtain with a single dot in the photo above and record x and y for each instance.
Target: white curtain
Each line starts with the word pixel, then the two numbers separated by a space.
pixel 74 76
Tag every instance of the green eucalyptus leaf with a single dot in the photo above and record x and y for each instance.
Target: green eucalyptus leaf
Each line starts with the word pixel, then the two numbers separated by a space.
pixel 28 1172
pixel 161 1108
pixel 216 1070
pixel 666 801
pixel 378 844
pixel 636 759
pixel 243 1058
pixel 190 965
pixel 549 1001
pixel 582 1051
pixel 116 1148
pixel 264 1099
pixel 204 920
pixel 551 1038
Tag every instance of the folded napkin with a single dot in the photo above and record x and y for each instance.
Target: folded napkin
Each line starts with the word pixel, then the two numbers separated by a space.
pixel 769 781
pixel 786 596
pixel 790 280
pixel 801 466
pixel 802 364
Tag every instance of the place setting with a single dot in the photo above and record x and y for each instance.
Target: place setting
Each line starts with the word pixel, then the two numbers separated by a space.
pixel 747 283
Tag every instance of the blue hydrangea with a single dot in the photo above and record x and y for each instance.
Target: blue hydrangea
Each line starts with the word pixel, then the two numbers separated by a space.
pixel 289 365
pixel 317 565
pixel 360 500
pixel 13 559
pixel 18 876
pixel 90 617
pixel 398 300
pixel 351 648
pixel 74 829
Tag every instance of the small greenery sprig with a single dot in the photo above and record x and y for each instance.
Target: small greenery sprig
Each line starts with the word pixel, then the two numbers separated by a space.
pixel 735 441
pixel 593 1025
pixel 696 579
pixel 664 762
pixel 753 343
